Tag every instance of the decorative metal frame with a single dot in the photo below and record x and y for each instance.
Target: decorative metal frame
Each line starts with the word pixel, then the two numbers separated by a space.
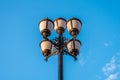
pixel 60 42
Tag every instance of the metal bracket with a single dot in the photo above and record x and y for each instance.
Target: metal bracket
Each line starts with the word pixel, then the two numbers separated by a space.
pixel 75 58
pixel 53 53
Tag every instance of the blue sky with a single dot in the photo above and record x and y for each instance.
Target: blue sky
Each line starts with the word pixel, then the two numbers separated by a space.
pixel 20 55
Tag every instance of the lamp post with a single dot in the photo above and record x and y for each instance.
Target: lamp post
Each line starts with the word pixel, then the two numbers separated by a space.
pixel 60 45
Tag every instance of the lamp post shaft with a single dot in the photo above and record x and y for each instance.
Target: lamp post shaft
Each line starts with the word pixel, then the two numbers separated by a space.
pixel 60 66
pixel 60 58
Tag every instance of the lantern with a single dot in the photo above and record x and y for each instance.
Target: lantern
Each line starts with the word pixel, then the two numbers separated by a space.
pixel 60 25
pixel 73 46
pixel 46 47
pixel 74 26
pixel 45 27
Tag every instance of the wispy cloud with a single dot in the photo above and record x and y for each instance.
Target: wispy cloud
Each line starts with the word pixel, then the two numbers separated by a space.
pixel 111 69
pixel 99 77
pixel 82 59
pixel 106 44
pixel 112 77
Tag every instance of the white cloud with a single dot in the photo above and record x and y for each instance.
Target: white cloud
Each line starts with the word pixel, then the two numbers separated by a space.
pixel 112 77
pixel 111 70
pixel 82 62
pixel 99 77
pixel 109 67
pixel 106 44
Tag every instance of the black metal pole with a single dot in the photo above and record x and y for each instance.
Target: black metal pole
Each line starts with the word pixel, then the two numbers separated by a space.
pixel 60 58
pixel 60 66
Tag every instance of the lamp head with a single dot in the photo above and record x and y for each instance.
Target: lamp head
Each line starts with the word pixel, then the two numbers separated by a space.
pixel 45 26
pixel 74 26
pixel 74 46
pixel 60 25
pixel 46 47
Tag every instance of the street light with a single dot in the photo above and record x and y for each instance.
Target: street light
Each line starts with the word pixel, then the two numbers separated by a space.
pixel 60 45
pixel 74 26
pixel 73 47
pixel 46 26
pixel 46 47
pixel 60 25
